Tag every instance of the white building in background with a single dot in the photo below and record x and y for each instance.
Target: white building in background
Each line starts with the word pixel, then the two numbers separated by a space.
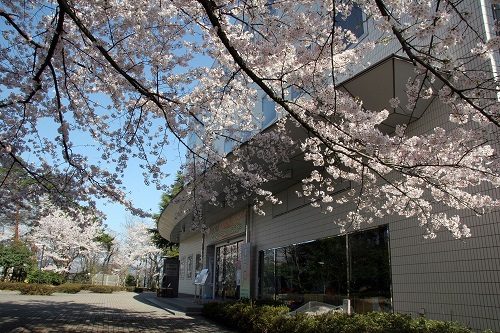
pixel 295 252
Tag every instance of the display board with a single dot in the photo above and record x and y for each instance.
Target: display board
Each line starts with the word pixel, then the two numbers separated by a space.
pixel 245 271
pixel 201 277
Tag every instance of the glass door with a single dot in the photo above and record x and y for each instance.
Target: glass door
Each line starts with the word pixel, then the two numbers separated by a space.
pixel 227 264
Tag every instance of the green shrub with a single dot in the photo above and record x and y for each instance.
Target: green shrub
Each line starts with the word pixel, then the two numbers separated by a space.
pixel 16 257
pixel 100 289
pixel 423 325
pixel 69 288
pixel 214 310
pixel 130 281
pixel 246 316
pixel 266 318
pixel 45 277
pixel 37 289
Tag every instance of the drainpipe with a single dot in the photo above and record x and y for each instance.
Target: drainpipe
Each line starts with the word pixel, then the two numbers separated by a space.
pixel 488 36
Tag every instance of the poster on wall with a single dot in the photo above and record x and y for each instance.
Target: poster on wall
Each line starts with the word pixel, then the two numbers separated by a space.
pixel 245 271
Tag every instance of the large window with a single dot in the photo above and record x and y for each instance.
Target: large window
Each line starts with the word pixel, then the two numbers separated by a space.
pixel 268 111
pixel 353 22
pixel 228 145
pixel 496 16
pixel 330 270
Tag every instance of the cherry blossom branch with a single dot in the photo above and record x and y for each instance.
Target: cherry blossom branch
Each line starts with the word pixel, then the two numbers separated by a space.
pixel 9 19
pixel 210 8
pixel 416 59
pixel 45 63
pixel 138 86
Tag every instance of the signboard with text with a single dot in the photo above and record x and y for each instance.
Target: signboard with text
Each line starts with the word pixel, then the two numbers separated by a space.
pixel 231 226
pixel 245 271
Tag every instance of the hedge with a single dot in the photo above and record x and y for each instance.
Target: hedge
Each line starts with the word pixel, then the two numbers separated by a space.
pixel 36 289
pixel 11 285
pixel 248 317
pixel 100 289
pixel 70 288
pixel 46 289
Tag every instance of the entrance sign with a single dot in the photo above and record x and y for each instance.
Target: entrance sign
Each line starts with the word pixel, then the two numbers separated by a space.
pixel 231 226
pixel 245 270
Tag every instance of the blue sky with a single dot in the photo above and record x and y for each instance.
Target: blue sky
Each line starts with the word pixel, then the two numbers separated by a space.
pixel 145 197
pixel 142 196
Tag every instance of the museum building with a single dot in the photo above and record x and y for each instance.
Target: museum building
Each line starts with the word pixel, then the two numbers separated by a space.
pixel 296 253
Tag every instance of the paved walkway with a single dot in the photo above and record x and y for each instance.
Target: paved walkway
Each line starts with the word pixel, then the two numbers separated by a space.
pixel 90 312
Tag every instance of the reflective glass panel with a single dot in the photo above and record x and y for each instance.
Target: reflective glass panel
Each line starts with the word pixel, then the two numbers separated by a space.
pixel 318 271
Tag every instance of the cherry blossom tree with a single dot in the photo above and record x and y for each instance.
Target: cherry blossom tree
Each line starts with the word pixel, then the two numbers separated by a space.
pixel 125 76
pixel 61 239
pixel 138 252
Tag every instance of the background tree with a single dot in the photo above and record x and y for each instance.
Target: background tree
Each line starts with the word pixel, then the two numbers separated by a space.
pixel 16 259
pixel 20 202
pixel 139 254
pixel 124 75
pixel 168 248
pixel 109 245
pixel 62 239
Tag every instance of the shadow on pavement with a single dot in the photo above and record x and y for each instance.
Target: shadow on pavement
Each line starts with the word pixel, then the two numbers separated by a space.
pixel 143 298
pixel 49 316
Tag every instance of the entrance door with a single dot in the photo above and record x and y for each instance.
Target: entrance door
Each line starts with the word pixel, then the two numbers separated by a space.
pixel 228 270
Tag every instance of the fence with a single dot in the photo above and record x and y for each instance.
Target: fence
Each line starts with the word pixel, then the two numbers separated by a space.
pixel 105 279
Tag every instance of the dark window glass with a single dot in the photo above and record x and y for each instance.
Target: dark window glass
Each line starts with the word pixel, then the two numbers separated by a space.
pixel 370 282
pixel 199 264
pixel 353 22
pixel 268 111
pixel 228 145
pixel 267 281
pixel 496 17
pixel 318 271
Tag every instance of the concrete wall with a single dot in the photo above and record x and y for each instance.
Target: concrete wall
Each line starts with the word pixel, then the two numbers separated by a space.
pixel 443 278
pixel 188 247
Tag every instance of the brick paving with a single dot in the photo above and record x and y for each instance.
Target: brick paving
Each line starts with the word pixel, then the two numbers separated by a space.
pixel 91 312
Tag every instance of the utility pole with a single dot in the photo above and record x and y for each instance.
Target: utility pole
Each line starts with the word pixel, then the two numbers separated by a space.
pixel 145 271
pixel 16 227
